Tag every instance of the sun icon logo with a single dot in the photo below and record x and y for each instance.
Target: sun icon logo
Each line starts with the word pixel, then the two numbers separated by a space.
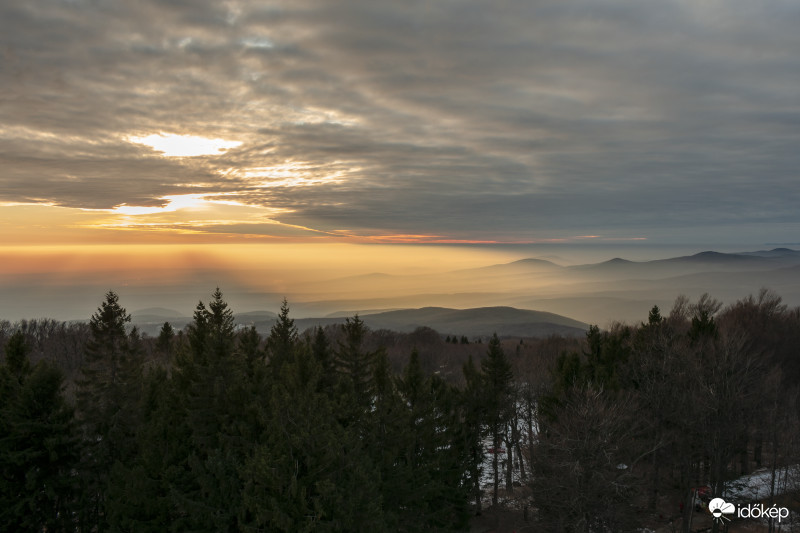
pixel 719 508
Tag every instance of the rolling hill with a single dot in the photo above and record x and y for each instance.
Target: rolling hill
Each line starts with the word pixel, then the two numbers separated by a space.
pixel 482 321
pixel 498 297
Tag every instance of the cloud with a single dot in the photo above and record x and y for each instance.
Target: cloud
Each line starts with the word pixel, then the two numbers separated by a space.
pixel 499 121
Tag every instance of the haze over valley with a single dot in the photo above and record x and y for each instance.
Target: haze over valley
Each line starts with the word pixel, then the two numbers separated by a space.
pixel 255 279
pixel 360 157
pixel 540 259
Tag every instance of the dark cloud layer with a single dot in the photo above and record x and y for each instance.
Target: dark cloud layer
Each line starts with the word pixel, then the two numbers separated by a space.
pixel 511 120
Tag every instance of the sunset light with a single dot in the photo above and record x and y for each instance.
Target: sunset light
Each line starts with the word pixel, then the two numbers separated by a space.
pixel 171 145
pixel 314 265
pixel 173 203
pixel 552 135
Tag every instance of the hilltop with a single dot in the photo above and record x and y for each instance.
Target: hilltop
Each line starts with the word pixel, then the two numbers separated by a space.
pixel 481 321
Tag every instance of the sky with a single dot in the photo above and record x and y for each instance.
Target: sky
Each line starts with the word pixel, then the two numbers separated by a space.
pixel 511 121
pixel 451 121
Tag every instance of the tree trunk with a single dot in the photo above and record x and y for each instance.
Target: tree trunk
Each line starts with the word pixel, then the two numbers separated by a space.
pixel 530 431
pixel 515 438
pixel 476 473
pixel 495 466
pixel 509 467
pixel 686 513
pixel 774 473
pixel 757 449
pixel 654 492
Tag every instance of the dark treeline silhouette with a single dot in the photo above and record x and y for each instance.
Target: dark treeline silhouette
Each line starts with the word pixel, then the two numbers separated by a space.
pixel 214 428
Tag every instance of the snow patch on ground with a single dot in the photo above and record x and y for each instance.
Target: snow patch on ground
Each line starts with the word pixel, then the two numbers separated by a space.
pixel 757 486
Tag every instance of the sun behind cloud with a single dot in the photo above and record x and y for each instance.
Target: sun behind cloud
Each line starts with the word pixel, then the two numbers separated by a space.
pixel 172 145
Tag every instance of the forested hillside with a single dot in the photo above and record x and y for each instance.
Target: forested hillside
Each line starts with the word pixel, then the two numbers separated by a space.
pixel 214 428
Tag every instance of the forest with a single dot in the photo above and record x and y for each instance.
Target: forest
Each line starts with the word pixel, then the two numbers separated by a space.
pixel 343 428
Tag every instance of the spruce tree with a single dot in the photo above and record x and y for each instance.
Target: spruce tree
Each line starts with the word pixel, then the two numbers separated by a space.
pixel 310 471
pixel 321 351
pixel 197 333
pixel 424 471
pixel 107 400
pixel 38 445
pixel 654 318
pixel 212 387
pixel 165 339
pixel 473 419
pixel 220 327
pixel 282 340
pixel 355 364
pixel 249 345
pixel 107 353
pixel 498 379
pixel 145 492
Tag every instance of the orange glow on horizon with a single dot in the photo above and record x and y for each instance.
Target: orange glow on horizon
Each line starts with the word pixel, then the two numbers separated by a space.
pixel 204 218
pixel 288 268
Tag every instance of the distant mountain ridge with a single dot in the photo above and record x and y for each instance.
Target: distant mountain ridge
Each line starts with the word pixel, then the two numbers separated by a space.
pixel 482 321
pixel 476 300
pixel 504 320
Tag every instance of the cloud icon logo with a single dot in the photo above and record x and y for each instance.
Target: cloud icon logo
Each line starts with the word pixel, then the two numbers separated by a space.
pixel 720 507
